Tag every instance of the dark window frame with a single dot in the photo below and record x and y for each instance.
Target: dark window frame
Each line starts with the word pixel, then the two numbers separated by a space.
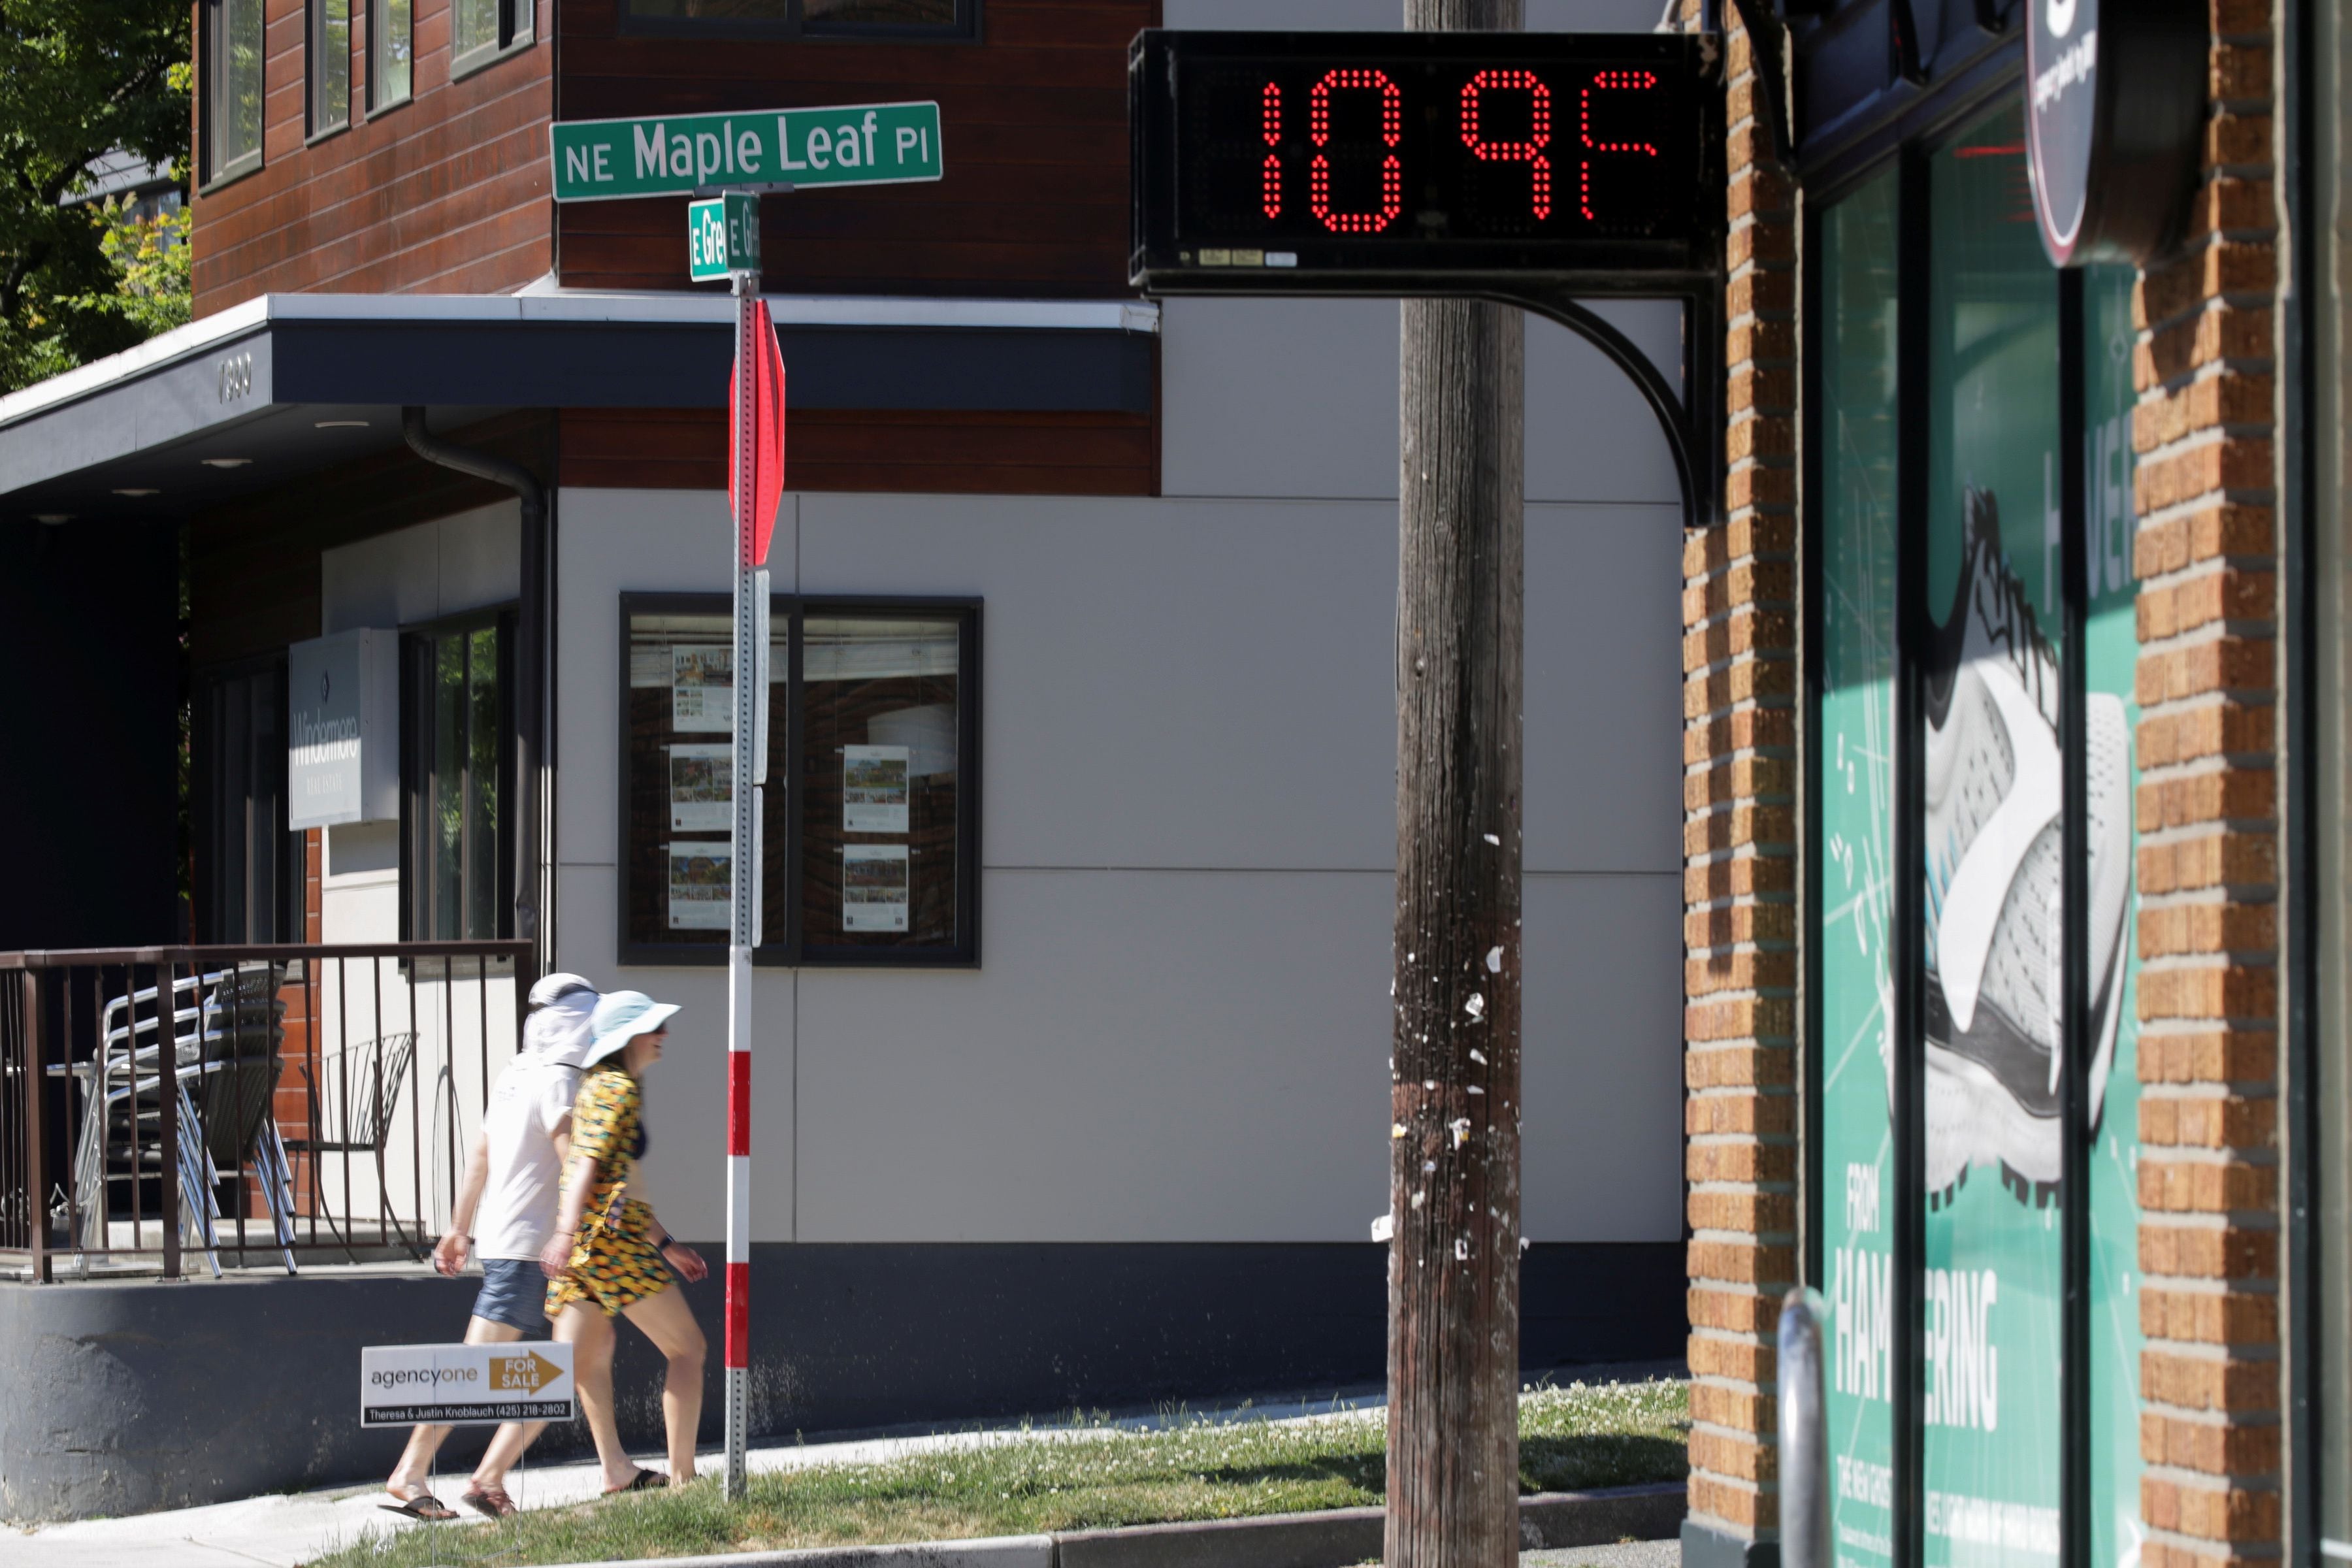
pixel 788 612
pixel 517 32
pixel 318 122
pixel 209 798
pixel 416 762
pixel 380 100
pixel 794 26
pixel 211 92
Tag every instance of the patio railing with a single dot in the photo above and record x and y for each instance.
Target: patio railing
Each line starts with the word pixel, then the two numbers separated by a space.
pixel 189 1108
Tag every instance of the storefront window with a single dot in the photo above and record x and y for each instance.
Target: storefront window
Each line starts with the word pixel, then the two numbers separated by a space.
pixel 460 877
pixel 1854 853
pixel 871 732
pixel 1992 988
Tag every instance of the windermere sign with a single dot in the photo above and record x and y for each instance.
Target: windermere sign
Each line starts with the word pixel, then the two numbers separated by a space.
pixel 677 154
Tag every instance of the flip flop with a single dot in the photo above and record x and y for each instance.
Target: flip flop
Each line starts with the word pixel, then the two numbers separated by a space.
pixel 489 1501
pixel 423 1506
pixel 646 1481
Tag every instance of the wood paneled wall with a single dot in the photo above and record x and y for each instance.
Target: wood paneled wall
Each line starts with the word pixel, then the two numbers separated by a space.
pixel 943 453
pixel 447 193
pixel 1034 202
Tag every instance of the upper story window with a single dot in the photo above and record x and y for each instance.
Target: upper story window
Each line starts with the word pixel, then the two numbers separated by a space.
pixel 392 47
pixel 482 30
pixel 232 86
pixel 880 19
pixel 330 66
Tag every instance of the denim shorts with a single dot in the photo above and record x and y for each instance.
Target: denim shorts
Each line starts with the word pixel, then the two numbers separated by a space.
pixel 513 1292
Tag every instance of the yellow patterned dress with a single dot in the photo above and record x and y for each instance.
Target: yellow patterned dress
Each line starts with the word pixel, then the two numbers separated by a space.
pixel 614 1259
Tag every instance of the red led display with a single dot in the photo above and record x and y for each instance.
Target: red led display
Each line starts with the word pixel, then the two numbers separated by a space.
pixel 1335 150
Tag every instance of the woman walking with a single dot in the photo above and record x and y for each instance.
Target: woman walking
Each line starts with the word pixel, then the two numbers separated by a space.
pixel 509 1188
pixel 609 1255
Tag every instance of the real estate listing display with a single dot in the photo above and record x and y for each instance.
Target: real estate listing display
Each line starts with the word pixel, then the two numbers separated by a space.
pixel 868 843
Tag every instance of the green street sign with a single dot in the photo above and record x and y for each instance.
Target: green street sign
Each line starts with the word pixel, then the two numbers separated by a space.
pixel 723 235
pixel 775 149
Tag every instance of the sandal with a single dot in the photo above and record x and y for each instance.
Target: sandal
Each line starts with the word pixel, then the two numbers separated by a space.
pixel 491 1502
pixel 646 1481
pixel 423 1505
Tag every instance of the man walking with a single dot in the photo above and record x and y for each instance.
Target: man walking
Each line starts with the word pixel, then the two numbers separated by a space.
pixel 510 1185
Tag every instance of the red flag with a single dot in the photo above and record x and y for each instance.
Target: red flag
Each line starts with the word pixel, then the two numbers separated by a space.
pixel 767 438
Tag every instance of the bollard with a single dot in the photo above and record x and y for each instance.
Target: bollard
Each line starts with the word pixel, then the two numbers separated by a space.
pixel 1804 1435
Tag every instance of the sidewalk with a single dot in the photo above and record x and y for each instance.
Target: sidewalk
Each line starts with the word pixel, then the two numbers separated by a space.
pixel 287 1529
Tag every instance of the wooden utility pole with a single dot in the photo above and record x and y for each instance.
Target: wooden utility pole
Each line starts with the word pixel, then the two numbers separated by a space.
pixel 1454 1181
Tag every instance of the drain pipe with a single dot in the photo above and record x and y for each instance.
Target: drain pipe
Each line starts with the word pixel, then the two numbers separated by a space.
pixel 530 666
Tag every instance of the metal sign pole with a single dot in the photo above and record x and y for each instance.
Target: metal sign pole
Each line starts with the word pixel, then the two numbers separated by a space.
pixel 750 728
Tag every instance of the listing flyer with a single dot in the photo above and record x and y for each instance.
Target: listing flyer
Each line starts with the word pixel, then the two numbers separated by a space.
pixel 700 885
pixel 874 789
pixel 701 787
pixel 874 886
pixel 702 688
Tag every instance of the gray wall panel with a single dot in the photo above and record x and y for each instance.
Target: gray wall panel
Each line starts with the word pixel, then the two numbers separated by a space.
pixel 1298 398
pixel 1146 1057
pixel 1196 684
pixel 1602 1060
pixel 1603 689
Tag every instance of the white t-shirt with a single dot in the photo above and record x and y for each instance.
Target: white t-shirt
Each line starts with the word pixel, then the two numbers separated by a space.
pixel 530 1103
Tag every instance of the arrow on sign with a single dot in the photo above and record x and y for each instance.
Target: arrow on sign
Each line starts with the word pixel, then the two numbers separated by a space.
pixel 528 1372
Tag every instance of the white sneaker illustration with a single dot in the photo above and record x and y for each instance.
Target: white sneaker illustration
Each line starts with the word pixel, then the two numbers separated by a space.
pixel 1994 938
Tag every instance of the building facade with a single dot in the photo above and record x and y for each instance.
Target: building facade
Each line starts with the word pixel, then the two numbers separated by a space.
pixel 1079 848
pixel 2014 789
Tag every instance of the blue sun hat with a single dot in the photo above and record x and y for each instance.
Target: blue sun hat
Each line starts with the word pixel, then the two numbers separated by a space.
pixel 621 1016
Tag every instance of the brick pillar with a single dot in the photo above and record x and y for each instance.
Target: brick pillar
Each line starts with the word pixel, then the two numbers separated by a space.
pixel 1739 875
pixel 2208 847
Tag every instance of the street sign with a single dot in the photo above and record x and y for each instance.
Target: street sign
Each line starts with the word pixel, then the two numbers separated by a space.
pixel 757 440
pixel 1304 163
pixel 465 1385
pixel 775 149
pixel 723 235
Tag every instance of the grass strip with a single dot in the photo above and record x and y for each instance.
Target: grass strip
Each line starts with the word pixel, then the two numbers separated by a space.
pixel 1086 1474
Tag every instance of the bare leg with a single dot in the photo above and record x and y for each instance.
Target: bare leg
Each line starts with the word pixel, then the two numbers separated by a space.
pixel 416 1459
pixel 506 1447
pixel 590 1334
pixel 664 1318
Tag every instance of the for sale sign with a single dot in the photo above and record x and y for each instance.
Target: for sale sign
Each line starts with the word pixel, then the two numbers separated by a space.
pixel 461 1385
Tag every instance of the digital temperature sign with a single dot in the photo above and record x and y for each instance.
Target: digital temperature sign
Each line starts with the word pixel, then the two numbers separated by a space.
pixel 1264 162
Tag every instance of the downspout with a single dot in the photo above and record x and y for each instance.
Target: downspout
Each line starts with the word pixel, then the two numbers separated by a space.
pixel 530 666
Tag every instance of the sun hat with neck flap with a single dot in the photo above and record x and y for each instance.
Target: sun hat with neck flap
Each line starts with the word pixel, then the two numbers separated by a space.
pixel 621 1016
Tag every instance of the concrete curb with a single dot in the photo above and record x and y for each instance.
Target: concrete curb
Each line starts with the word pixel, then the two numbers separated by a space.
pixel 1338 1537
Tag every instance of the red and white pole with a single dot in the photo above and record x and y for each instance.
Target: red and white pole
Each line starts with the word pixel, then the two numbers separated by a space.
pixel 751 733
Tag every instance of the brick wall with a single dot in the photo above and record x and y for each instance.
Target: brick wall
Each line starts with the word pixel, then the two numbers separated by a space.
pixel 2207 849
pixel 1739 876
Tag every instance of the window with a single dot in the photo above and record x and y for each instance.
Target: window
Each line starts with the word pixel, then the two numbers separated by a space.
pixel 330 66
pixel 457 864
pixel 907 19
pixel 249 869
pixel 390 50
pixel 232 87
pixel 870 851
pixel 484 29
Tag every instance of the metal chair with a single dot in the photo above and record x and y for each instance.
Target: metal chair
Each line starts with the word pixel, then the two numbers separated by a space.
pixel 226 1029
pixel 352 1100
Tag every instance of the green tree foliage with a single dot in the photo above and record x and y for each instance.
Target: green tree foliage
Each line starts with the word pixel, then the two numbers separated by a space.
pixel 79 78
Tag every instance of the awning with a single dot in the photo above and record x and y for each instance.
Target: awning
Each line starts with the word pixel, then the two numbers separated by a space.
pixel 287 383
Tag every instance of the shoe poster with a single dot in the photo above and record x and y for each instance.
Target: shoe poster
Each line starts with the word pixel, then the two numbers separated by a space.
pixel 1854 758
pixel 2110 665
pixel 1992 987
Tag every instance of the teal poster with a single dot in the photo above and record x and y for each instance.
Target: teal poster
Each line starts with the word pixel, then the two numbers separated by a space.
pixel 1855 765
pixel 1993 1329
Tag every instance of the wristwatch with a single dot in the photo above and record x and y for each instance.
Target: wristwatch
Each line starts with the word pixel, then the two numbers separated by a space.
pixel 665 1243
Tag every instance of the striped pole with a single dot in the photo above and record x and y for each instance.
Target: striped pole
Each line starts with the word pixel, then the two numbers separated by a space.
pixel 751 702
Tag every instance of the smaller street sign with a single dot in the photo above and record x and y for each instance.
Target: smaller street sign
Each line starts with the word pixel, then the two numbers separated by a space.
pixel 723 235
pixel 465 1385
pixel 679 154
